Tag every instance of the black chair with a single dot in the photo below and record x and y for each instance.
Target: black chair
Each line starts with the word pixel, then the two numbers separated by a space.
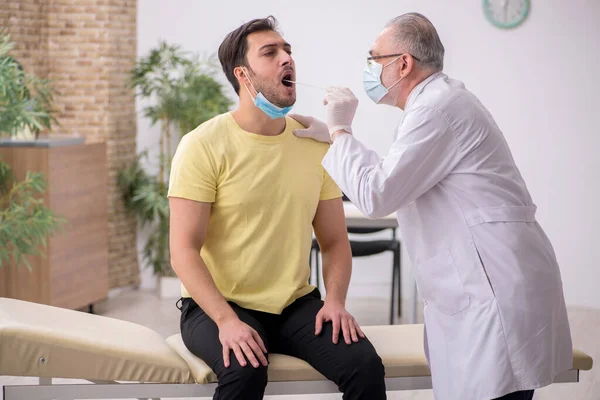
pixel 368 248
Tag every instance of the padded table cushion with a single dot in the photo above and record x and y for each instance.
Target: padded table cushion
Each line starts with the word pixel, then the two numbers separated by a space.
pixel 399 346
pixel 582 361
pixel 46 341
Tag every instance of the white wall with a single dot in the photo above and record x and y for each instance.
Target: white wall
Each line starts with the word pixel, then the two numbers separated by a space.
pixel 539 81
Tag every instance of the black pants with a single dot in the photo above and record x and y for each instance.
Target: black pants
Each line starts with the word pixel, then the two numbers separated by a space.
pixel 522 395
pixel 356 369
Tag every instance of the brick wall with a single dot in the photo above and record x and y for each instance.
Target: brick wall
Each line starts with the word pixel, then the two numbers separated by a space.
pixel 26 21
pixel 86 47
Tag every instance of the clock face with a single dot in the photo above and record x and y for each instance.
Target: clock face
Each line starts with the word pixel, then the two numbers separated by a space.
pixel 506 13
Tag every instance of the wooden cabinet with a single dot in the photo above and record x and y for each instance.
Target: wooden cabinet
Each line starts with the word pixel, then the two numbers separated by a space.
pixel 73 272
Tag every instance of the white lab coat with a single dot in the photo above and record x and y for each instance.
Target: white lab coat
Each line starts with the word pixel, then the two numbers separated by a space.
pixel 495 316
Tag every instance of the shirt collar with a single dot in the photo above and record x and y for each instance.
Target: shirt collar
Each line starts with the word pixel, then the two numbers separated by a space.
pixel 419 88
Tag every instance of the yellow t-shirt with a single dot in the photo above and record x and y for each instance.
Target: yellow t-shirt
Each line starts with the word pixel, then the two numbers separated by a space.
pixel 264 192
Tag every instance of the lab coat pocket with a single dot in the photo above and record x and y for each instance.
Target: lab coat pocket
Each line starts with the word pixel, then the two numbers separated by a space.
pixel 440 285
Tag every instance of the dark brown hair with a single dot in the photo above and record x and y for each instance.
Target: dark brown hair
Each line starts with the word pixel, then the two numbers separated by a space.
pixel 232 52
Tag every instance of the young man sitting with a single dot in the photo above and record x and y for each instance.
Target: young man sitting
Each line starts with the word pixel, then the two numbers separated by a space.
pixel 245 195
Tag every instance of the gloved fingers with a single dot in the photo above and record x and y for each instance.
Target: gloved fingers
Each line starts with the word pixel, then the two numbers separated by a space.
pixel 348 96
pixel 339 91
pixel 334 89
pixel 350 92
pixel 339 107
pixel 341 97
pixel 333 98
pixel 310 134
pixel 304 120
pixel 301 132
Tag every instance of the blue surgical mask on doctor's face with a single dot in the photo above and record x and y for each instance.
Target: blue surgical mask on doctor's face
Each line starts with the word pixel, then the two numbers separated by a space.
pixel 265 105
pixel 372 80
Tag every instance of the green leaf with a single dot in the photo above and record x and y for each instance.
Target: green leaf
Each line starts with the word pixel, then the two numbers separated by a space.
pixel 25 222
pixel 26 101
pixel 182 92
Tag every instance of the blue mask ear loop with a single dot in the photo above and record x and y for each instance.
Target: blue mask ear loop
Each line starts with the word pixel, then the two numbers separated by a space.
pixel 391 62
pixel 248 90
pixel 395 83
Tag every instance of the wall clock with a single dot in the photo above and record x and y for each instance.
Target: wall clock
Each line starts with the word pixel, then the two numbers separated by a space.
pixel 506 14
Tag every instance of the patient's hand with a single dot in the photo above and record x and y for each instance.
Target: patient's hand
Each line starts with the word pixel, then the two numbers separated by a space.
pixel 242 339
pixel 336 313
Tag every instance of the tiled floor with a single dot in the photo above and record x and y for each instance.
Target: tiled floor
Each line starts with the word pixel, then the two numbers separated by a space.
pixel 145 308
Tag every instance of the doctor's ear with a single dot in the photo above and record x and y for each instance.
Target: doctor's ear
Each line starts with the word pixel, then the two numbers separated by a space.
pixel 407 64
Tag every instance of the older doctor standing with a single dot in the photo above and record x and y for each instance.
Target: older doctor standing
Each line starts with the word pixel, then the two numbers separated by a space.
pixel 495 318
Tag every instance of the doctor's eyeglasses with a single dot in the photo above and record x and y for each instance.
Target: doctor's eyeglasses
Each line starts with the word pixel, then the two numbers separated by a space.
pixel 389 55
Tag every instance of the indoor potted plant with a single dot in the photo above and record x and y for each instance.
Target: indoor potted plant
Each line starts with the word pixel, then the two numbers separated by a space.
pixel 183 93
pixel 26 104
pixel 25 110
pixel 44 181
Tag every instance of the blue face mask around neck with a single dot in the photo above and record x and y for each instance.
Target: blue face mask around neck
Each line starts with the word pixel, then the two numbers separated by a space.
pixel 269 108
pixel 265 105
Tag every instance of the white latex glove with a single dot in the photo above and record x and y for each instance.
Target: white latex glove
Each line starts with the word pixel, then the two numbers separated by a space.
pixel 340 104
pixel 315 129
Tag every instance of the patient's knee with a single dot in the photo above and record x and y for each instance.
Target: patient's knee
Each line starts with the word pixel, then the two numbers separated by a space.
pixel 370 365
pixel 362 367
pixel 244 378
pixel 364 377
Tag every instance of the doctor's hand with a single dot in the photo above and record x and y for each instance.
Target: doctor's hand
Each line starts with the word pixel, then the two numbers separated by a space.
pixel 315 129
pixel 340 104
pixel 335 313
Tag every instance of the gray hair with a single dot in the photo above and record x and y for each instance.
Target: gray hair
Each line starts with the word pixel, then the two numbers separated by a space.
pixel 416 35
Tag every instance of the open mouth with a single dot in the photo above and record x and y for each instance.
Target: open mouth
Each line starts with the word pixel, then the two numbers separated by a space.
pixel 286 78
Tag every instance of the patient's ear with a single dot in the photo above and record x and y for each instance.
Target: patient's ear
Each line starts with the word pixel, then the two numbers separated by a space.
pixel 241 73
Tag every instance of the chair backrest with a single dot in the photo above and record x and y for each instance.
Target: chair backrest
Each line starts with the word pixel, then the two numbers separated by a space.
pixel 371 230
pixel 366 230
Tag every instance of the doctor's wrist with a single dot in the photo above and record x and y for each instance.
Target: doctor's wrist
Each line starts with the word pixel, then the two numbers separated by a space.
pixel 339 133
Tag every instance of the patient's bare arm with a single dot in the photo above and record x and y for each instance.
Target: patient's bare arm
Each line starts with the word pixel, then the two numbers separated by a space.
pixel 330 229
pixel 188 227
